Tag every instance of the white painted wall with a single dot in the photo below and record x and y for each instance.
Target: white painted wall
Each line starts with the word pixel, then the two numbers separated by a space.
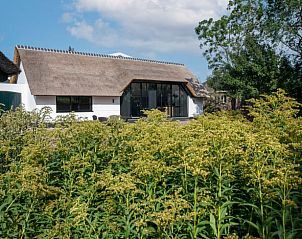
pixel 101 106
pixel 195 106
pixel 11 87
pixel 46 101
pixel 27 99
pixel 106 106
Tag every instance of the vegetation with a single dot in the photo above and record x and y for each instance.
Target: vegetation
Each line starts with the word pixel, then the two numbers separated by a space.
pixel 219 176
pixel 255 48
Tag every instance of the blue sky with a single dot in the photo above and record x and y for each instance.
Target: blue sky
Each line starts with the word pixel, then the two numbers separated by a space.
pixel 154 29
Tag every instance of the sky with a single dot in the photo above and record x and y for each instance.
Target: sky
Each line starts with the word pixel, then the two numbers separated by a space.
pixel 152 29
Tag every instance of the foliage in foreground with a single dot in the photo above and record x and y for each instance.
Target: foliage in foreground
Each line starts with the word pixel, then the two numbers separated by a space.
pixel 219 176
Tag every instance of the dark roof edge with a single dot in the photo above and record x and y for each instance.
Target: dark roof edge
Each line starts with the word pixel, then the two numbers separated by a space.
pixel 8 66
pixel 95 55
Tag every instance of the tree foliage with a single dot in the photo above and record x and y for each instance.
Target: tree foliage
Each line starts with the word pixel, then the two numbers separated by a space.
pixel 256 48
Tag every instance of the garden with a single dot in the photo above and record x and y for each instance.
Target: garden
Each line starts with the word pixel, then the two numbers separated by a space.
pixel 221 175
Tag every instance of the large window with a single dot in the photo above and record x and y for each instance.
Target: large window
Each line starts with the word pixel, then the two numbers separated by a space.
pixel 9 100
pixel 167 97
pixel 74 103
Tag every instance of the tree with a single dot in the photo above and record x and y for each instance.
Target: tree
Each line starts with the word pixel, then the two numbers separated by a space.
pixel 253 70
pixel 255 48
pixel 283 26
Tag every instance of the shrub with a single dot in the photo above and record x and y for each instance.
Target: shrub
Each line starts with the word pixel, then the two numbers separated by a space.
pixel 219 176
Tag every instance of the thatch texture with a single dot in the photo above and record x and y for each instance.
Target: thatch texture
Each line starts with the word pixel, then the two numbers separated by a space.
pixel 53 72
pixel 7 66
pixel 197 88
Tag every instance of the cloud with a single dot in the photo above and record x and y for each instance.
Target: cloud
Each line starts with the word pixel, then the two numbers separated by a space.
pixel 67 17
pixel 156 25
pixel 82 30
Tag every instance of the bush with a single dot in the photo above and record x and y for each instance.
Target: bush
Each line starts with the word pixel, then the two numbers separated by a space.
pixel 219 176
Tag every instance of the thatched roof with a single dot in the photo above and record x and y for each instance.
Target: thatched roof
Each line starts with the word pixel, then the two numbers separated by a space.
pixel 198 88
pixel 55 72
pixel 7 66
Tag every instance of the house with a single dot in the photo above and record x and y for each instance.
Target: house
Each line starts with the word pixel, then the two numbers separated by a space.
pixel 219 100
pixel 102 85
pixel 7 70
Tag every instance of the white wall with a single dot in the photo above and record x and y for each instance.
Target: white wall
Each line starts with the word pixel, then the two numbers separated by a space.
pixel 106 106
pixel 27 99
pixel 195 107
pixel 101 106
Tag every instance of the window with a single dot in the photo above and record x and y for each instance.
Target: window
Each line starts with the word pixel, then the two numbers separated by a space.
pixel 74 103
pixel 9 100
pixel 167 97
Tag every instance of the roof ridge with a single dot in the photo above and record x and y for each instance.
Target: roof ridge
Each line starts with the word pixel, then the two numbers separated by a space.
pixel 95 55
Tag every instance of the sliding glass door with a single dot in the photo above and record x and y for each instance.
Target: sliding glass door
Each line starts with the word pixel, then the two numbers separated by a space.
pixel 170 98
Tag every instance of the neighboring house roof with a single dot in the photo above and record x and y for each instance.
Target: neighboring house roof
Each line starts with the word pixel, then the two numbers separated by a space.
pixel 211 90
pixel 57 72
pixel 7 66
pixel 198 88
pixel 208 88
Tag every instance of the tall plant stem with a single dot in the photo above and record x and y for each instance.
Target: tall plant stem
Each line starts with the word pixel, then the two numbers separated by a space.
pixel 185 180
pixel 283 213
pixel 195 208
pixel 284 197
pixel 219 198
pixel 261 211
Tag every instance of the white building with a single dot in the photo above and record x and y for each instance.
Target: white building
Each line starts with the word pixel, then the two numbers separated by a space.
pixel 102 85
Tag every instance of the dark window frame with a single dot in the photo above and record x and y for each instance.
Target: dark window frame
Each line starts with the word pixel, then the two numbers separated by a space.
pixel 176 106
pixel 72 104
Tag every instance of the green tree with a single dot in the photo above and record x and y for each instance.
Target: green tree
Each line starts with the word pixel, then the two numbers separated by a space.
pixel 252 71
pixel 283 26
pixel 256 48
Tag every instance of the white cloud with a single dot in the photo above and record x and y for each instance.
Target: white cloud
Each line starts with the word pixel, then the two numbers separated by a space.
pixel 82 30
pixel 67 17
pixel 156 25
